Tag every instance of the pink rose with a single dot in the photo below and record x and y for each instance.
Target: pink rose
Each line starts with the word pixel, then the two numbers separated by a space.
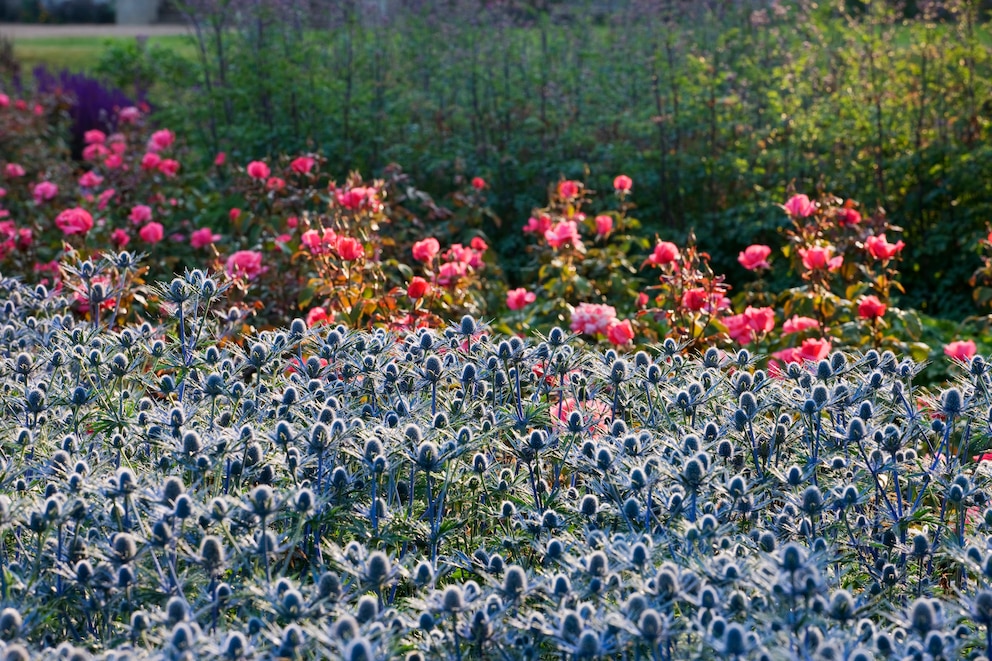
pixel 161 140
pixel 871 308
pixel 258 170
pixel 140 213
pixel 426 250
pixel 622 183
pixel 881 249
pixel 565 232
pixel 94 151
pixel 798 324
pixel 847 217
pixel 568 189
pixel 813 349
pixel 593 319
pixel 664 253
pixel 129 115
pixel 450 273
pixel 44 192
pixel 302 165
pixel 275 183
pixel 151 233
pixel 755 257
pixel 113 161
pixel 244 264
pixel 119 238
pixel 538 225
pixel 604 225
pixel 518 299
pixel 317 316
pixel 962 350
pixel 820 257
pixel 349 249
pixel 203 237
pixel 620 333
pixel 90 180
pixel 150 161
pixel 13 170
pixel 169 167
pixel 478 183
pixel 74 221
pixel 800 206
pixel 94 136
pixel 220 159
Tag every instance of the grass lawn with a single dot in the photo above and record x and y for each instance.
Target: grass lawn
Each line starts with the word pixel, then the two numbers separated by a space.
pixel 83 53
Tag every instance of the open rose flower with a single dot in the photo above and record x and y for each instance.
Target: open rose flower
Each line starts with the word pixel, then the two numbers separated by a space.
pixel 664 253
pixel 820 258
pixel 593 318
pixel 417 288
pixel 74 221
pixel 349 249
pixel 317 316
pixel 426 250
pixel 800 206
pixel 963 350
pixel 871 308
pixel 203 237
pixel 518 299
pixel 755 257
pixel 478 183
pixel 798 324
pixel 620 333
pixel 44 191
pixel 140 213
pixel 258 170
pixel 245 264
pixel 604 225
pixel 568 189
pixel 622 183
pixel 150 161
pixel 847 217
pixel 562 234
pixel 302 165
pixel 161 140
pixel 881 249
pixel 152 233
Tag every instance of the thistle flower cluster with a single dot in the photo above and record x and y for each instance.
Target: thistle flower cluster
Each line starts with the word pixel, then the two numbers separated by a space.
pixel 453 493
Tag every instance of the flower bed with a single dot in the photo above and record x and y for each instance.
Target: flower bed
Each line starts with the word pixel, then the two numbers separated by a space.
pixel 453 493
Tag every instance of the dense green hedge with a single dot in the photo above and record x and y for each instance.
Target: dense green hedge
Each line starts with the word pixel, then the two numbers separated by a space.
pixel 714 113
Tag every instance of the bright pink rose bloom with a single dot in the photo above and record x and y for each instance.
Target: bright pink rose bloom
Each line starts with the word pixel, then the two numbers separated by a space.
pixel 244 264
pixel 538 225
pixel 150 161
pixel 479 244
pixel 871 308
pixel 417 288
pixel 798 324
pixel 292 222
pixel 119 238
pixel 13 170
pixel 881 249
pixel 275 183
pixel 220 159
pixel 750 324
pixel 800 206
pixel 169 167
pixel 74 221
pixel 302 165
pixel 568 189
pixel 129 115
pixel 349 249
pixel 258 170
pixel 478 183
pixel 451 272
pixel 604 225
pixel 4 101
pixel 620 333
pixel 45 191
pixel 622 183
pixel 140 213
pixel 847 217
pixel 317 316
pixel 755 257
pixel 234 214
pixel 813 349
pixel 203 237
pixel 426 250
pixel 563 233
pixel 664 253
pixel 962 350
pixel 642 300
pixel 90 180
pixel 593 319
pixel 118 143
pixel 313 241
pixel 358 198
pixel 152 233
pixel 518 299
pixel 161 140
pixel 819 258
pixel 94 136
pixel 113 161
pixel 695 299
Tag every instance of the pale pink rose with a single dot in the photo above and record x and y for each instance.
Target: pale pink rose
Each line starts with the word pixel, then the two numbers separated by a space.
pixel 592 318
